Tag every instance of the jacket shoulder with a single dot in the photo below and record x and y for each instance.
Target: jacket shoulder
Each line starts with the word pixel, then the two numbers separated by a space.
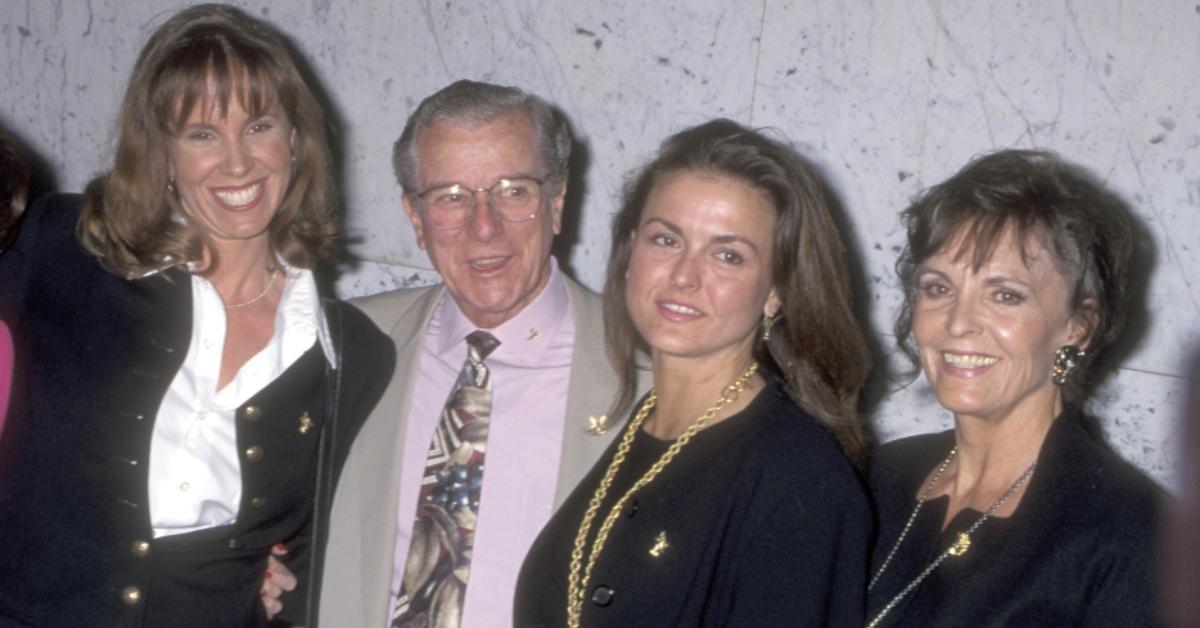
pixel 48 224
pixel 1116 491
pixel 387 309
pixel 904 462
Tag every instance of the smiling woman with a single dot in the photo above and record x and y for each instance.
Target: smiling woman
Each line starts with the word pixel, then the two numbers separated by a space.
pixel 1015 279
pixel 184 394
pixel 231 168
pixel 729 498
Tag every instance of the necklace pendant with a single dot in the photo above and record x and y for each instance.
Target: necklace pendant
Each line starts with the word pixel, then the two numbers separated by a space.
pixel 660 544
pixel 961 546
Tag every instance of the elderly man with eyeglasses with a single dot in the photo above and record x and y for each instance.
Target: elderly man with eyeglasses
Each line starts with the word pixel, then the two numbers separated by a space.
pixel 504 359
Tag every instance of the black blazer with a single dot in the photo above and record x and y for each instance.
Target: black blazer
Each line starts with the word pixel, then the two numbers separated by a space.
pixel 95 354
pixel 1078 551
pixel 762 520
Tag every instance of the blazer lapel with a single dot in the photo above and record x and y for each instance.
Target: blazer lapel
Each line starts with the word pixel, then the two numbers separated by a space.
pixel 590 390
pixel 379 453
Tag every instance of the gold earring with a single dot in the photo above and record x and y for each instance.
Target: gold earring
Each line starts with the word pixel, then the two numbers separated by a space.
pixel 768 321
pixel 1066 359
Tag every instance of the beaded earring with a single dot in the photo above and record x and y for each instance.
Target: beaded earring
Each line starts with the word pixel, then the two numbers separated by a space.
pixel 768 322
pixel 1066 359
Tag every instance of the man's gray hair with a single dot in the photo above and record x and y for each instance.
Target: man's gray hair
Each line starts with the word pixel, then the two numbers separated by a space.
pixel 472 104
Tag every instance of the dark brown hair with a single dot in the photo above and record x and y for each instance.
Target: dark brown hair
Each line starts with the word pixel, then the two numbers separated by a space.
pixel 816 348
pixel 14 187
pixel 1036 195
pixel 131 221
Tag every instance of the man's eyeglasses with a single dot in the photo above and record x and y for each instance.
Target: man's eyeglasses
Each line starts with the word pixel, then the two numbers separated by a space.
pixel 515 199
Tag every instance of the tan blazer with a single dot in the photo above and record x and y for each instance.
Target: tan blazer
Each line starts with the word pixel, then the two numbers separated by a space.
pixel 362 529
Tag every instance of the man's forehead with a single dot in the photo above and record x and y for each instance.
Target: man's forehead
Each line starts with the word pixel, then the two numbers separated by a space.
pixel 510 125
pixel 504 145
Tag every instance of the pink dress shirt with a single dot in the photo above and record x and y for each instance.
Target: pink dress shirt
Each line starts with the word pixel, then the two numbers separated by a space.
pixel 530 371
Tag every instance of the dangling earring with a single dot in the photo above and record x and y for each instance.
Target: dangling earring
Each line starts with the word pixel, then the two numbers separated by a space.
pixel 768 321
pixel 171 185
pixel 1066 358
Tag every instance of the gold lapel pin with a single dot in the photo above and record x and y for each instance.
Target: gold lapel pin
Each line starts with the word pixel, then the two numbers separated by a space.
pixel 660 544
pixel 598 425
pixel 533 333
pixel 306 423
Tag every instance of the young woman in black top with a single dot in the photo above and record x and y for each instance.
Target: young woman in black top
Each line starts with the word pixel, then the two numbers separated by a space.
pixel 728 499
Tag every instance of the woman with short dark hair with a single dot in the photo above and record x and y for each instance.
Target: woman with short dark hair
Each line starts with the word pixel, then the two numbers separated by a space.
pixel 1016 277
pixel 183 395
pixel 728 499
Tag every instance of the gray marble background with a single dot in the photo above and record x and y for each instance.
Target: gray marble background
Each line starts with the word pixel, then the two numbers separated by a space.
pixel 885 97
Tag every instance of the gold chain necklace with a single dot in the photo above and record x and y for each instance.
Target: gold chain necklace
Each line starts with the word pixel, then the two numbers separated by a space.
pixel 577 584
pixel 270 282
pixel 961 544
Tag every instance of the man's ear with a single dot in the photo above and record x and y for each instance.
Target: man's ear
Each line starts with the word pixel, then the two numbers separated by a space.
pixel 418 225
pixel 556 207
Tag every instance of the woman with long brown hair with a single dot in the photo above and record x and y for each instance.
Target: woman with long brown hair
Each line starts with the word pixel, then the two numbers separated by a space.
pixel 730 497
pixel 182 391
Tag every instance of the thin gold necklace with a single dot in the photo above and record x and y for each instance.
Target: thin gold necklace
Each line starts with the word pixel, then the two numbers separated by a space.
pixel 270 282
pixel 961 544
pixel 577 584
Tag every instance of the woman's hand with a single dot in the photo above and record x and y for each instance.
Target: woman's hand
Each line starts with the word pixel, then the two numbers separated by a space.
pixel 277 580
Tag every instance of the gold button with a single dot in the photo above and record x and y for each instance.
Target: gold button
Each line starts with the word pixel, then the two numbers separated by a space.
pixel 140 548
pixel 257 502
pixel 251 413
pixel 131 595
pixel 254 454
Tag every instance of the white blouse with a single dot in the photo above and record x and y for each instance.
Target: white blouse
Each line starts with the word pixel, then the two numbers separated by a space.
pixel 195 477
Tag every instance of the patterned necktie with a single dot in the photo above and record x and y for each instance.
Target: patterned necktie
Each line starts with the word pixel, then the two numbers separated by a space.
pixel 443 537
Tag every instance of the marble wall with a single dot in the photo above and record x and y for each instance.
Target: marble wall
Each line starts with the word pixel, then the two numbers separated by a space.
pixel 885 97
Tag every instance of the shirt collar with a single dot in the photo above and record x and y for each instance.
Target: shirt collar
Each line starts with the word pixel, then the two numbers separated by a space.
pixel 299 311
pixel 523 338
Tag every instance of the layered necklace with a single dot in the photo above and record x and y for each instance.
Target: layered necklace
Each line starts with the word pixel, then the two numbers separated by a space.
pixel 961 544
pixel 582 572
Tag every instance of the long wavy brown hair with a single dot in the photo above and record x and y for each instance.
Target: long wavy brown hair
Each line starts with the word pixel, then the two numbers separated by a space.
pixel 816 347
pixel 205 56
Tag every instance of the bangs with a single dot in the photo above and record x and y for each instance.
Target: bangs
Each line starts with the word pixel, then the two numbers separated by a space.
pixel 210 73
pixel 975 236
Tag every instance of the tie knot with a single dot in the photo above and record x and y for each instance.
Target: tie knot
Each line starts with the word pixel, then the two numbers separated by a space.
pixel 482 343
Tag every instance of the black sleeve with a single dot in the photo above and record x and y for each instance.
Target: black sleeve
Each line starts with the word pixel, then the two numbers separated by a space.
pixel 297 560
pixel 368 358
pixel 18 260
pixel 1123 579
pixel 805 561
